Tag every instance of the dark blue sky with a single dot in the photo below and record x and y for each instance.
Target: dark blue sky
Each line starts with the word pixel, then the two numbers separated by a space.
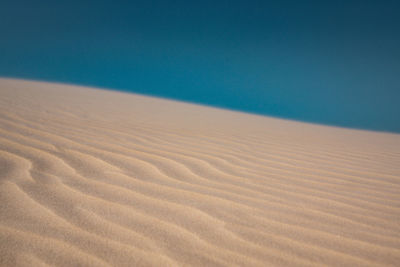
pixel 332 62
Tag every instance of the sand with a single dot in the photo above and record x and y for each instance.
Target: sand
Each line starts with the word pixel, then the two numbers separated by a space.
pixel 92 177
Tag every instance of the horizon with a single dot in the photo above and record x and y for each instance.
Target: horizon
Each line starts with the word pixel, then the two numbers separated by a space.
pixel 201 105
pixel 335 63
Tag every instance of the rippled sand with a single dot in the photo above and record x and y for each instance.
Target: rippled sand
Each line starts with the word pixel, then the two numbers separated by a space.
pixel 97 178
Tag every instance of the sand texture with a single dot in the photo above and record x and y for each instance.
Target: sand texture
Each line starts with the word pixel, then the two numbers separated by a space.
pixel 92 177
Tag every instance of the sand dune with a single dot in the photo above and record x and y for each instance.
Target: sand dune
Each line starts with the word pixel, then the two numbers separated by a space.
pixel 98 178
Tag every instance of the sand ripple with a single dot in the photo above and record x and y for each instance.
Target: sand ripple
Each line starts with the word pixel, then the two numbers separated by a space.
pixel 97 178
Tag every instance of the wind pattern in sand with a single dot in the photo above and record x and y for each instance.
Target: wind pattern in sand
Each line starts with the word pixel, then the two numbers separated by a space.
pixel 99 178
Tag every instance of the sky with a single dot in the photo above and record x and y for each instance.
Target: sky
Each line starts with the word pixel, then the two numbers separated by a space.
pixel 329 62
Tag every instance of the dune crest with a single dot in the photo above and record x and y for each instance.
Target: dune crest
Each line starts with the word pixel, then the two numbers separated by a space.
pixel 92 177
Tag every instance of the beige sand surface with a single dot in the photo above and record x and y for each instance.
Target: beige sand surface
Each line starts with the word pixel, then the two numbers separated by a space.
pixel 99 178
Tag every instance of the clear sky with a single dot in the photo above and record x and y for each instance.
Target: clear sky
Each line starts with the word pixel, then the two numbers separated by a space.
pixel 331 62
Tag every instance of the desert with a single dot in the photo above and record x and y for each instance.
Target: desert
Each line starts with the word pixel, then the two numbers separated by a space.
pixel 91 177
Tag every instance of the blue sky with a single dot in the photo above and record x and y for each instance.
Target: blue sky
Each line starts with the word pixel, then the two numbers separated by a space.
pixel 331 62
